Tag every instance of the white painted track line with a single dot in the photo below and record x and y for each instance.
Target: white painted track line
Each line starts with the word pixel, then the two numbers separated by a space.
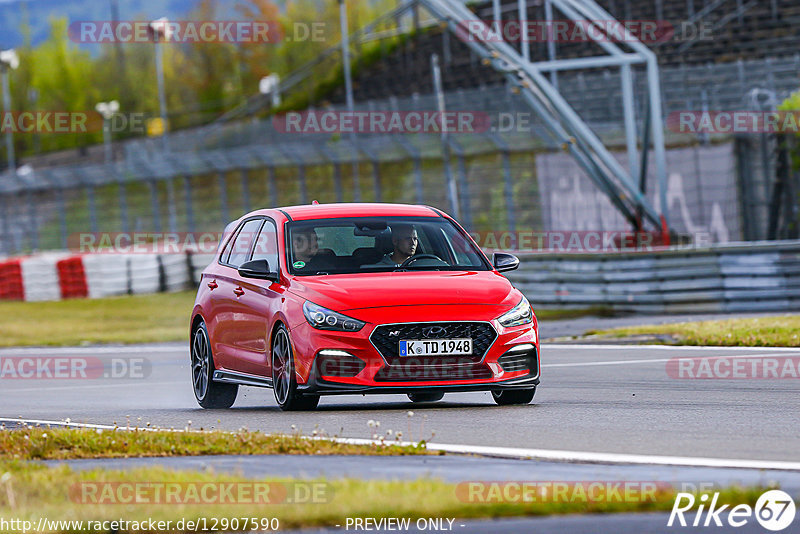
pixel 95 349
pixel 55 423
pixel 613 458
pixel 92 386
pixel 662 360
pixel 659 347
pixel 170 348
pixel 509 452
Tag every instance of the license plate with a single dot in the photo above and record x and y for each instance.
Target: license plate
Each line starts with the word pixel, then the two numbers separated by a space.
pixel 435 347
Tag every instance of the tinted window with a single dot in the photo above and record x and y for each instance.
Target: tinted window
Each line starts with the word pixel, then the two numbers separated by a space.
pixel 340 246
pixel 228 240
pixel 267 245
pixel 341 241
pixel 240 250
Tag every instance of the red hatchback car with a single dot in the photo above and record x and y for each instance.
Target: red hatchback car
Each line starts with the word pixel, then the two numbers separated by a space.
pixel 359 298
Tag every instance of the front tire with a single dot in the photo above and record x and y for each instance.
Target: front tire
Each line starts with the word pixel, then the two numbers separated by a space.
pixel 508 397
pixel 425 397
pixel 209 394
pixel 284 382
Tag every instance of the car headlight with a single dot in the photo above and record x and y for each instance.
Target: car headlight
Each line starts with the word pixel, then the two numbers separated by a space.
pixel 519 314
pixel 325 319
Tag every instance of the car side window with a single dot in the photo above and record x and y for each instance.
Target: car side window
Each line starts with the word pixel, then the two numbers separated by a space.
pixel 267 245
pixel 227 237
pixel 240 249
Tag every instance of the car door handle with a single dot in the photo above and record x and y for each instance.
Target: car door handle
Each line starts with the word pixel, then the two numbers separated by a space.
pixel 213 285
pixel 239 291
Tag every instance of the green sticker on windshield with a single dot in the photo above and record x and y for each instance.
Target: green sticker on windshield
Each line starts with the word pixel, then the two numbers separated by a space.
pixel 299 264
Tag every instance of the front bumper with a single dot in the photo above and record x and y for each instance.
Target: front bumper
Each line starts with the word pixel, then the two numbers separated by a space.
pixel 380 374
pixel 319 386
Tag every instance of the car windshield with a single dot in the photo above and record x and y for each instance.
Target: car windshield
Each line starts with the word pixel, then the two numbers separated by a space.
pixel 361 245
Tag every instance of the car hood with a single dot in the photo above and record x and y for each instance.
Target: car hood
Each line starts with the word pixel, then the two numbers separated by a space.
pixel 380 290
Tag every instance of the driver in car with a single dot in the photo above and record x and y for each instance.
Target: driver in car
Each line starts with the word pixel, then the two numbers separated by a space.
pixel 405 241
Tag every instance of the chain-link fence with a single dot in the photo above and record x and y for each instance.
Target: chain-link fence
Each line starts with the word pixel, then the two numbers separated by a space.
pixel 769 182
pixel 211 177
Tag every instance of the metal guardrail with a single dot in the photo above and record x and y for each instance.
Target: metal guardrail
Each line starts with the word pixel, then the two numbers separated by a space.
pixel 724 278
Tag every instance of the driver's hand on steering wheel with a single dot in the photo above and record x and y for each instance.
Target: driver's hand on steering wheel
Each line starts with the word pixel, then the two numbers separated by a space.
pixel 415 257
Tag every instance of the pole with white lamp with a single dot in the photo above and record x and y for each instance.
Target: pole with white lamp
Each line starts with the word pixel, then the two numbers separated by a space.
pixel 9 60
pixel 159 30
pixel 107 110
pixel 348 88
pixel 271 85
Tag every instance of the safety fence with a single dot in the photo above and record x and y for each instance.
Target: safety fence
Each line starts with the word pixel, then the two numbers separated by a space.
pixel 724 278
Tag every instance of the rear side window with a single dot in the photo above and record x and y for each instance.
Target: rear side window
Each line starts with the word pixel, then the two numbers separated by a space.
pixel 267 245
pixel 240 249
pixel 227 238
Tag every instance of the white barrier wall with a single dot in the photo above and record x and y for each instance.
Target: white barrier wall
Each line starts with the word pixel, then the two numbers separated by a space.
pixel 176 271
pixel 40 277
pixel 106 274
pixel 198 263
pixel 720 278
pixel 144 273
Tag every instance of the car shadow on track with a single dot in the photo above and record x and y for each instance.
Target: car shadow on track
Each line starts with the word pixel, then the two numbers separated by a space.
pixel 382 407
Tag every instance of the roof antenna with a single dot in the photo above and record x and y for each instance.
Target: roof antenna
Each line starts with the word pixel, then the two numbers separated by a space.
pixel 314 203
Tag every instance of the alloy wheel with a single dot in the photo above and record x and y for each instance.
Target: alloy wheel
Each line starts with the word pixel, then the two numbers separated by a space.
pixel 200 354
pixel 282 368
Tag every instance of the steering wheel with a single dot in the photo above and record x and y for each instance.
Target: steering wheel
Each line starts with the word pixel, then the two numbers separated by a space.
pixel 412 259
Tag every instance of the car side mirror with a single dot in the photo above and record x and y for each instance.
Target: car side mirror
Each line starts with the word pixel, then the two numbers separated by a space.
pixel 258 269
pixel 504 262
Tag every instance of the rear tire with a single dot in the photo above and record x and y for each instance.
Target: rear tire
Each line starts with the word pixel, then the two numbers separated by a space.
pixel 284 382
pixel 425 397
pixel 508 397
pixel 209 394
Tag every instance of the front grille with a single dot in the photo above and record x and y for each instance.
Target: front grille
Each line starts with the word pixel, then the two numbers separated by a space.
pixel 386 338
pixel 519 361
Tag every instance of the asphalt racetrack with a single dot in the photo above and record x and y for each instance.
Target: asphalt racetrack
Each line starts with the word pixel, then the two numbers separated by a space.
pixel 596 399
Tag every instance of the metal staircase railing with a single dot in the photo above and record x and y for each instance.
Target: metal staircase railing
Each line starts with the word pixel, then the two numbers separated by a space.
pixel 561 120
pixel 565 126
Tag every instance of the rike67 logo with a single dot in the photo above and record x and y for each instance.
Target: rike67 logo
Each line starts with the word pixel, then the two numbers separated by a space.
pixel 774 510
